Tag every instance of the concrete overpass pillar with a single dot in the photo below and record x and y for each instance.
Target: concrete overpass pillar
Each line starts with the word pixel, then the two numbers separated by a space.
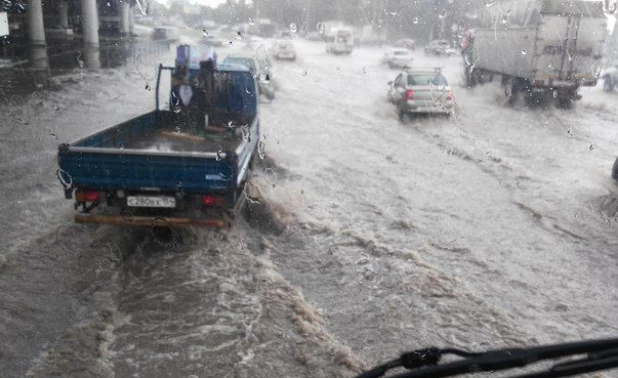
pixel 63 11
pixel 131 22
pixel 36 36
pixel 125 17
pixel 90 27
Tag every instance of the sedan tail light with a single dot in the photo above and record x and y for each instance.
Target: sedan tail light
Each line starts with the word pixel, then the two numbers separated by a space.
pixel 450 97
pixel 409 94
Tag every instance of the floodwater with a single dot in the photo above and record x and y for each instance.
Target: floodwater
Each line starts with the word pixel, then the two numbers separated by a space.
pixel 370 236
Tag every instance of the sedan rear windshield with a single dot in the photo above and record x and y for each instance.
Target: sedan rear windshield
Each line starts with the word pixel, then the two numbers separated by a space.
pixel 436 80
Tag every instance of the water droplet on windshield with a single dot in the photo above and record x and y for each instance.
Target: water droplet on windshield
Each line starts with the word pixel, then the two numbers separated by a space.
pixel 524 52
pixel 570 132
pixel 251 21
pixel 177 108
pixel 489 3
pixel 264 78
pixel 126 216
pixel 293 28
pixel 443 14
pixel 415 20
pixel 238 36
pixel 231 43
pixel 80 62
pixel 305 73
pixel 245 133
pixel 204 33
pixel 320 27
pixel 147 87
pixel 591 147
pixel 504 20
pixel 219 153
pixel 261 152
pixel 53 135
pixel 555 94
pixel 177 129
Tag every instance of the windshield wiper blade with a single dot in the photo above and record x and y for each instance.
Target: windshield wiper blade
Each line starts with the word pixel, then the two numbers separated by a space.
pixel 594 362
pixel 600 357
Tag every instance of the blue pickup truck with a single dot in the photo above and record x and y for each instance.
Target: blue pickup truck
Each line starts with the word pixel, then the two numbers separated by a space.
pixel 179 167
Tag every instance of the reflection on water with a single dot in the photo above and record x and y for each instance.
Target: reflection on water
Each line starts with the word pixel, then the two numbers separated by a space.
pixel 24 67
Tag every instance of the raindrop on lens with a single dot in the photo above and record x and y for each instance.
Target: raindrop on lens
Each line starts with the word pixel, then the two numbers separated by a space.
pixel 524 52
pixel 264 79
pixel 504 20
pixel 238 36
pixel 415 20
pixel 205 33
pixel 489 4
pixel 219 153
pixel 293 28
pixel 261 153
pixel 442 14
pixel 251 21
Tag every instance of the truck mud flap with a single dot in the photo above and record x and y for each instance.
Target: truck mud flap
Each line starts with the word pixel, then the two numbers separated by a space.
pixel 152 221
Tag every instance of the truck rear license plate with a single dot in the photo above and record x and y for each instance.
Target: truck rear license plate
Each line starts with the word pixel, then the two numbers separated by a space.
pixel 151 201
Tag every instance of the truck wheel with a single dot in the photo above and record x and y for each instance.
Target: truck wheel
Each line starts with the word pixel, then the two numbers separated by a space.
pixel 615 170
pixel 470 79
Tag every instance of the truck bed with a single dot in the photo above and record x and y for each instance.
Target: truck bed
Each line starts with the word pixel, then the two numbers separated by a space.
pixel 147 152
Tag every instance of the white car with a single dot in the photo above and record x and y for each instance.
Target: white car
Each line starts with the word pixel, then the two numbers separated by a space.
pixel 284 50
pixel 421 91
pixel 398 58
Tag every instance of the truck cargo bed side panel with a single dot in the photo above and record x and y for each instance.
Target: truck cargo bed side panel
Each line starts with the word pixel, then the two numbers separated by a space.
pixel 507 52
pixel 104 171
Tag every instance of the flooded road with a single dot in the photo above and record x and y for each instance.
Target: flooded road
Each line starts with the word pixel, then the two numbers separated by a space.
pixel 370 236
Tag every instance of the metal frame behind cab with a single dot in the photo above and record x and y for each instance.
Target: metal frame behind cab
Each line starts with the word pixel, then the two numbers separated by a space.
pixel 161 68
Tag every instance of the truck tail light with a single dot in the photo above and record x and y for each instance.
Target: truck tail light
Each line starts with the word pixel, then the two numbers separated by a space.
pixel 213 200
pixel 409 94
pixel 449 96
pixel 86 196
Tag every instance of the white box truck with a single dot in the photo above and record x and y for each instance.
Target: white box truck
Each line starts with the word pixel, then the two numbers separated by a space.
pixel 542 49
